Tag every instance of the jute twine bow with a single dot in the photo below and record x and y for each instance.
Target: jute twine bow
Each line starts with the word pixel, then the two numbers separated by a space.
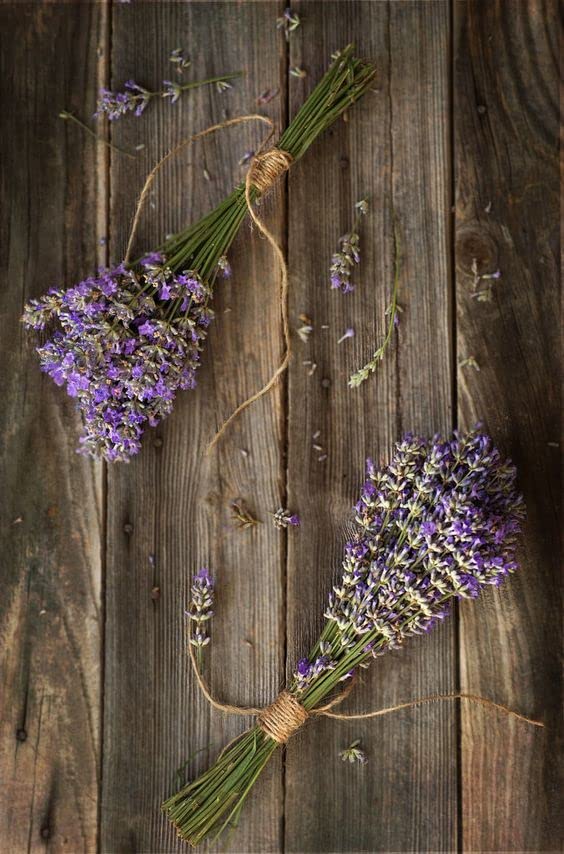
pixel 285 716
pixel 265 169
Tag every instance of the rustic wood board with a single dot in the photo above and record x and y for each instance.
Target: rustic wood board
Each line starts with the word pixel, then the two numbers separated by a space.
pixel 176 500
pixel 53 202
pixel 95 676
pixel 412 757
pixel 507 207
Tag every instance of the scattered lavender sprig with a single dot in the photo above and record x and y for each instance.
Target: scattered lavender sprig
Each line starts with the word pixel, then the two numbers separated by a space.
pixel 348 256
pixel 354 754
pixel 135 98
pixel 242 517
pixel 200 610
pixel 392 313
pixel 439 523
pixel 288 22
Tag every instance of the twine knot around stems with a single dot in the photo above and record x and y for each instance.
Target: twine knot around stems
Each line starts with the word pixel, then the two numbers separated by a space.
pixel 267 166
pixel 283 717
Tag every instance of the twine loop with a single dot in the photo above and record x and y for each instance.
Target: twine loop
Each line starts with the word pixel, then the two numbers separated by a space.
pixel 267 166
pixel 283 717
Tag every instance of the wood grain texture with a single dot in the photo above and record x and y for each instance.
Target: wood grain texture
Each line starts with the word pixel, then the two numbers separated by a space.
pixel 99 708
pixel 394 149
pixel 506 147
pixel 172 502
pixel 52 206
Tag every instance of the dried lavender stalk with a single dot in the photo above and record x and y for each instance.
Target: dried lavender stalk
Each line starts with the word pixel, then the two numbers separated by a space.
pixel 439 523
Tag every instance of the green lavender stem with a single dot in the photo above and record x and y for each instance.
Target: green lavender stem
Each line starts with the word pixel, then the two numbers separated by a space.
pixel 200 246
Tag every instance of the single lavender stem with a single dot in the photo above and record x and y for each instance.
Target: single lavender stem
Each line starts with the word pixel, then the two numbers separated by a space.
pixel 64 114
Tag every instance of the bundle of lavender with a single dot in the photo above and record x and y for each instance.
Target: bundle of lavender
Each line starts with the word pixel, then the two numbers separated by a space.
pixel 437 524
pixel 125 341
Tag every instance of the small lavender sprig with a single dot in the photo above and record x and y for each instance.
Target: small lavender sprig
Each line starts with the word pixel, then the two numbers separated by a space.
pixel 392 313
pixel 135 98
pixel 348 256
pixel 200 611
pixel 439 523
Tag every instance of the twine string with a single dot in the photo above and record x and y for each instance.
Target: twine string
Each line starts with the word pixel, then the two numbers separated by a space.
pixel 254 117
pixel 265 169
pixel 282 718
pixel 285 716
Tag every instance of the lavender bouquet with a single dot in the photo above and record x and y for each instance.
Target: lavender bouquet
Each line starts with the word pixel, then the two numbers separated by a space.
pixel 125 341
pixel 437 524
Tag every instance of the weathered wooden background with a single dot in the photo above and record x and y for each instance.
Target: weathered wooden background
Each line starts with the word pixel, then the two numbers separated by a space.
pixel 458 145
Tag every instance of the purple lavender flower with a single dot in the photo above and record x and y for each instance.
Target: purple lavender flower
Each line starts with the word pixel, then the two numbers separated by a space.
pixel 284 519
pixel 123 343
pixel 438 523
pixel 225 267
pixel 307 672
pixel 200 609
pixel 133 99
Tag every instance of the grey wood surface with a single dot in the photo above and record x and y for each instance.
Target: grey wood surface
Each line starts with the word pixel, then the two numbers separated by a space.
pixel 507 208
pixel 52 509
pixel 457 146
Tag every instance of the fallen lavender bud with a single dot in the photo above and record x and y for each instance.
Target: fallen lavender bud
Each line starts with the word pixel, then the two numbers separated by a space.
pixel 284 519
pixel 354 754
pixel 179 58
pixel 288 22
pixel 348 333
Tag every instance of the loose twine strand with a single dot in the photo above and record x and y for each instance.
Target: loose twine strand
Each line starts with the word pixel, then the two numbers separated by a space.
pixel 285 716
pixel 265 169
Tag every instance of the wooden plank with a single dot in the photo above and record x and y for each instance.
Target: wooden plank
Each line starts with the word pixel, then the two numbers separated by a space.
pixel 177 501
pixel 506 155
pixel 52 212
pixel 395 148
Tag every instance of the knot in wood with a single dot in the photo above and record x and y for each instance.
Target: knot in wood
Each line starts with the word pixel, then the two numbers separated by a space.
pixel 283 717
pixel 267 167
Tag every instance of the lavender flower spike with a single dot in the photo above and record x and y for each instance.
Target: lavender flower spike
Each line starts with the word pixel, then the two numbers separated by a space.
pixel 348 256
pixel 200 610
